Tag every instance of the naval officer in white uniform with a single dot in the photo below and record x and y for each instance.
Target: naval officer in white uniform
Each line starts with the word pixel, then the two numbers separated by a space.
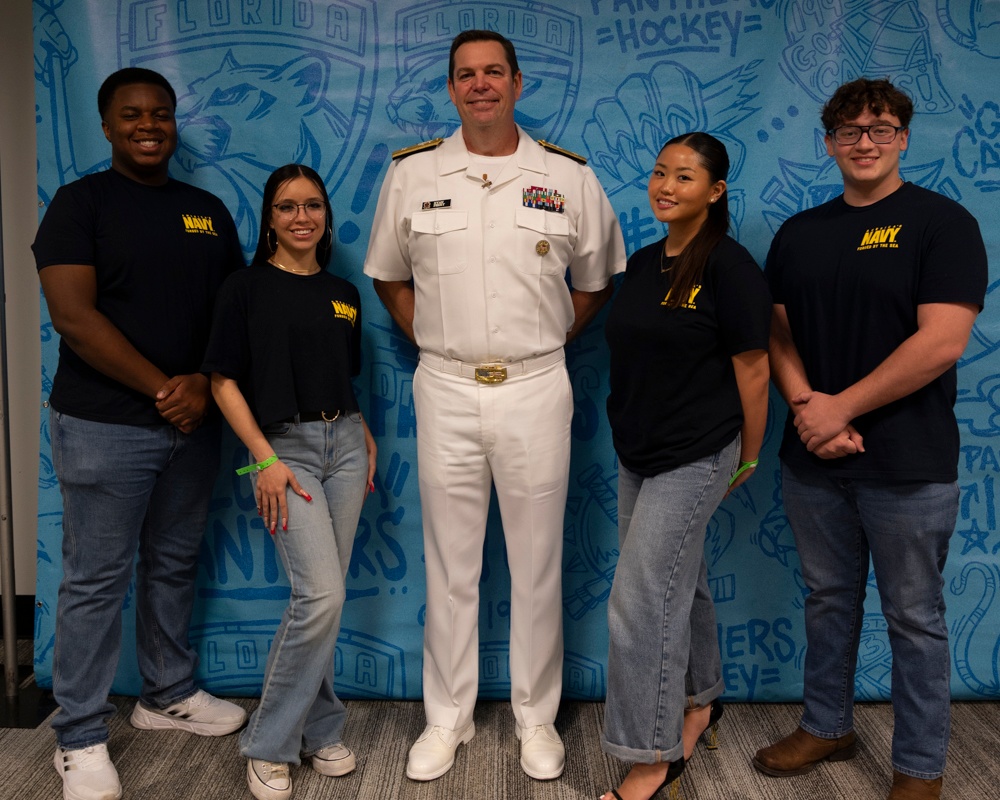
pixel 469 250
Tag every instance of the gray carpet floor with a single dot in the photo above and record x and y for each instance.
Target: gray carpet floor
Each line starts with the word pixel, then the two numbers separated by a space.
pixel 156 765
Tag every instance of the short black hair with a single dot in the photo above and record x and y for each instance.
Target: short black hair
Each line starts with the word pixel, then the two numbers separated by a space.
pixel 483 36
pixel 879 96
pixel 128 77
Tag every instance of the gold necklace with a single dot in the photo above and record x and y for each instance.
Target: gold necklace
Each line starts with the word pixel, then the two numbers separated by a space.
pixel 663 260
pixel 274 263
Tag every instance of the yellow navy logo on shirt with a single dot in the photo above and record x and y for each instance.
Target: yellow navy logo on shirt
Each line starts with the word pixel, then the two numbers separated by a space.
pixel 197 224
pixel 884 237
pixel 690 303
pixel 344 311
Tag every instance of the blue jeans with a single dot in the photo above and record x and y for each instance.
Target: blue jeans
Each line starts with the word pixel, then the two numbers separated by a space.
pixel 126 488
pixel 663 644
pixel 906 528
pixel 299 712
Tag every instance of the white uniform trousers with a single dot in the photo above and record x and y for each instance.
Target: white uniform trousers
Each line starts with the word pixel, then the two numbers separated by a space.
pixel 515 434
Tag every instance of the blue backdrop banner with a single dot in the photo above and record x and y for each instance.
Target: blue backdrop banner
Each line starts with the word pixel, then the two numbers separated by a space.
pixel 339 85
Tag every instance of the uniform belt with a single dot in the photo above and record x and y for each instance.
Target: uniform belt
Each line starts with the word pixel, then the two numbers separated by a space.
pixel 491 372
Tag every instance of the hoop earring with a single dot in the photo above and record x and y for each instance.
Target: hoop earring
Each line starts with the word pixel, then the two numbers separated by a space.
pixel 329 237
pixel 272 247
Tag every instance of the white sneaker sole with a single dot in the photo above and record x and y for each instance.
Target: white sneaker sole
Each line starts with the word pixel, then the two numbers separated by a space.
pixel 146 720
pixel 334 769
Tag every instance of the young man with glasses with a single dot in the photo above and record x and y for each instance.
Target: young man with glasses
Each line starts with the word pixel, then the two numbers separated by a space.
pixel 875 296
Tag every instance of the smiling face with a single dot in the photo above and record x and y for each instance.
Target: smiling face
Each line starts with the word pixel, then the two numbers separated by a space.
pixel 300 231
pixel 140 126
pixel 483 87
pixel 870 171
pixel 681 189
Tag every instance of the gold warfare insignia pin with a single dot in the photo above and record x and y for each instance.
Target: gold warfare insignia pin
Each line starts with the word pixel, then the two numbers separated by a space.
pixel 542 248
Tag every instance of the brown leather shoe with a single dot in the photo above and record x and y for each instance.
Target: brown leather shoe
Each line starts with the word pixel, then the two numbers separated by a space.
pixel 906 787
pixel 800 751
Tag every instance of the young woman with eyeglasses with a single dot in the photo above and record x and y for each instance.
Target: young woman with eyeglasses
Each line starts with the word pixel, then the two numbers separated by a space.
pixel 285 343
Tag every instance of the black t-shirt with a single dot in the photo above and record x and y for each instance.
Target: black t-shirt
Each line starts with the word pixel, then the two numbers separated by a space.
pixel 850 279
pixel 291 342
pixel 673 396
pixel 160 254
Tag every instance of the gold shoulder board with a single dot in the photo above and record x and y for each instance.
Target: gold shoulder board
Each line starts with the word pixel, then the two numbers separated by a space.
pixel 417 148
pixel 561 151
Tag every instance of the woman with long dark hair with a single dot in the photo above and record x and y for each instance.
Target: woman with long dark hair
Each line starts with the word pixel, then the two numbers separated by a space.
pixel 286 341
pixel 688 333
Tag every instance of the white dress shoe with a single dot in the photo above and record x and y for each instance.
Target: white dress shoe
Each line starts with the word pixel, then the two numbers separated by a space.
pixel 433 754
pixel 543 756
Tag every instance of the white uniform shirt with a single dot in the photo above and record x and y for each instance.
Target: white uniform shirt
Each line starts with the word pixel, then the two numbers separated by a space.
pixel 489 271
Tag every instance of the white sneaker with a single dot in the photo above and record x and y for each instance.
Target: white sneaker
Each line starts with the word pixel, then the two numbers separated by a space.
pixel 433 754
pixel 543 756
pixel 87 774
pixel 334 760
pixel 268 780
pixel 200 713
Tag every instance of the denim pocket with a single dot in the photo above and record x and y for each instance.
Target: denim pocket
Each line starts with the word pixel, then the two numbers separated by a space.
pixel 736 456
pixel 276 429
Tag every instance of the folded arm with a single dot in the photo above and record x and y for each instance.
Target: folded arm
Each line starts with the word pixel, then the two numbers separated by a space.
pixel 71 296
pixel 942 333
pixel 789 376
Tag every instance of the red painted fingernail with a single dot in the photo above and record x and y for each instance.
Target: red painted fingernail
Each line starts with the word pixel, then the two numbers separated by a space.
pixel 284 526
pixel 371 487
pixel 308 497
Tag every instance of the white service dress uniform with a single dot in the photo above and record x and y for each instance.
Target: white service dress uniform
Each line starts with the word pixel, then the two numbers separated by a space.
pixel 488 256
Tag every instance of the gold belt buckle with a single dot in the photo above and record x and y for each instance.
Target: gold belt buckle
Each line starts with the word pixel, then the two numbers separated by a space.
pixel 491 373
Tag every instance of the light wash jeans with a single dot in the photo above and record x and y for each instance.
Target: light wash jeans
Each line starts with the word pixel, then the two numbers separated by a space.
pixel 663 644
pixel 126 488
pixel 299 711
pixel 906 527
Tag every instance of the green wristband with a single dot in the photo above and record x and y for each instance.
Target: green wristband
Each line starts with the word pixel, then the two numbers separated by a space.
pixel 258 466
pixel 744 466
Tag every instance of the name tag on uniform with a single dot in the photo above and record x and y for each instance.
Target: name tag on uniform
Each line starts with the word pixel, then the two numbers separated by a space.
pixel 427 205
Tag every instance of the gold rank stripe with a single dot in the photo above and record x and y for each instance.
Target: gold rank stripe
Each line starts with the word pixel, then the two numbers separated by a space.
pixel 416 148
pixel 562 151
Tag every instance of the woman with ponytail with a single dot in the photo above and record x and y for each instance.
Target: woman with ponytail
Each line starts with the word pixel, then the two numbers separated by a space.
pixel 688 334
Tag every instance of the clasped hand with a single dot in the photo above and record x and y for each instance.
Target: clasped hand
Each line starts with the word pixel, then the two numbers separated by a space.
pixel 824 425
pixel 184 400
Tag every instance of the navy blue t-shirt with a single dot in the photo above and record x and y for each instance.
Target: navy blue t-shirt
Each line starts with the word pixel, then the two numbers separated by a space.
pixel 160 254
pixel 850 279
pixel 291 342
pixel 674 397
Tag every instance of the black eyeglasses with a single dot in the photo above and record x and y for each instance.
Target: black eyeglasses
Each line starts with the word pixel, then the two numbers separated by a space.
pixel 877 134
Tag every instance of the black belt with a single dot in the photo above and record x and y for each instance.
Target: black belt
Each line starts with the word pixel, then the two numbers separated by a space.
pixel 313 416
